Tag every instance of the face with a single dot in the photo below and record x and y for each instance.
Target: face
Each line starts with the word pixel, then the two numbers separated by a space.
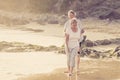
pixel 74 23
pixel 71 15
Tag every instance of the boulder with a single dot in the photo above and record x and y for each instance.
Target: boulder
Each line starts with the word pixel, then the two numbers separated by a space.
pixel 89 43
pixel 105 42
pixel 90 53
pixel 113 15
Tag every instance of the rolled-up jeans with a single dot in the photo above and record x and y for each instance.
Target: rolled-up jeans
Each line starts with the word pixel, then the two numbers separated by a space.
pixel 71 56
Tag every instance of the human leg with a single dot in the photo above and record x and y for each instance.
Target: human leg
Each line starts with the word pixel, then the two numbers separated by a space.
pixel 68 60
pixel 68 64
pixel 78 61
pixel 73 60
pixel 78 58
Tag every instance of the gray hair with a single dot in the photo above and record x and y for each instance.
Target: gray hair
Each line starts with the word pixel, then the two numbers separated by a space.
pixel 71 11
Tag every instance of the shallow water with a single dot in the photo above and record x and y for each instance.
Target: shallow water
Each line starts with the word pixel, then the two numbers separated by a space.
pixel 15 65
pixel 11 35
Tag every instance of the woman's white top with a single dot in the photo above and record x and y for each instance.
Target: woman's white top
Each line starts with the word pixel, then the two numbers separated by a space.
pixel 73 38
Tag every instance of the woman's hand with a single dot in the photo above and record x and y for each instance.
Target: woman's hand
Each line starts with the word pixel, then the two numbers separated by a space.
pixel 79 50
pixel 66 42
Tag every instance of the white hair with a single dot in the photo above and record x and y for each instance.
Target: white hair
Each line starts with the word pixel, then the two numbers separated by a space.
pixel 71 11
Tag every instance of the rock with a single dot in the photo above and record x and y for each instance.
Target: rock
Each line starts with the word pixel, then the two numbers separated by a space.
pixel 105 42
pixel 116 52
pixel 102 9
pixel 94 55
pixel 90 53
pixel 116 41
pixel 89 43
pixel 84 8
pixel 111 16
pixel 117 49
pixel 98 42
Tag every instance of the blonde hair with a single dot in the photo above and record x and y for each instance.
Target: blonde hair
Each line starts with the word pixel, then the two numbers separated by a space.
pixel 73 20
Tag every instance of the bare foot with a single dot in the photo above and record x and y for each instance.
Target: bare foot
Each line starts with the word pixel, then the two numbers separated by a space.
pixel 70 74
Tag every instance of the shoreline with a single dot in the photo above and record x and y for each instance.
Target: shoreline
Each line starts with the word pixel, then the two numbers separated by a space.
pixel 102 70
pixel 28 66
pixel 23 64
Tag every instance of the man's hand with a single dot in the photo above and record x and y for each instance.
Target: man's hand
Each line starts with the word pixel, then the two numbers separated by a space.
pixel 82 31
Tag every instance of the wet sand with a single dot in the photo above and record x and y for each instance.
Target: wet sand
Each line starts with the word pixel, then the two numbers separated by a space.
pixel 89 70
pixel 15 65
pixel 51 66
pixel 15 35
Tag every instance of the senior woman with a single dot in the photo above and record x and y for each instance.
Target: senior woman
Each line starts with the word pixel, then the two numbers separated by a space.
pixel 72 36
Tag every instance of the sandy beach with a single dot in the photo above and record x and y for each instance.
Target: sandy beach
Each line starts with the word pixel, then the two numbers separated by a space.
pixel 89 70
pixel 51 65
pixel 20 35
pixel 32 39
pixel 43 66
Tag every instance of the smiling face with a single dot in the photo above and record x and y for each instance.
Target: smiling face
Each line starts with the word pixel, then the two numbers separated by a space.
pixel 71 14
pixel 74 23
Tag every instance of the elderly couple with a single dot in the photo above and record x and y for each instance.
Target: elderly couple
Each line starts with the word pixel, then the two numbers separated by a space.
pixel 73 36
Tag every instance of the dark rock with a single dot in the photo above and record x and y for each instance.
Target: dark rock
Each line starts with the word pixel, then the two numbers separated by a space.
pixel 84 8
pixel 105 42
pixel 117 49
pixel 90 53
pixel 111 16
pixel 116 52
pixel 89 43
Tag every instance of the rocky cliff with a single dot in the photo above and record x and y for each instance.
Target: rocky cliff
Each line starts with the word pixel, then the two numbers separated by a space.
pixel 102 9
pixel 90 8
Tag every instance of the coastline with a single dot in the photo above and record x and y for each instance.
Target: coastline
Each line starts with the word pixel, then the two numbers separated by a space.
pixel 27 65
pixel 90 69
pixel 14 65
